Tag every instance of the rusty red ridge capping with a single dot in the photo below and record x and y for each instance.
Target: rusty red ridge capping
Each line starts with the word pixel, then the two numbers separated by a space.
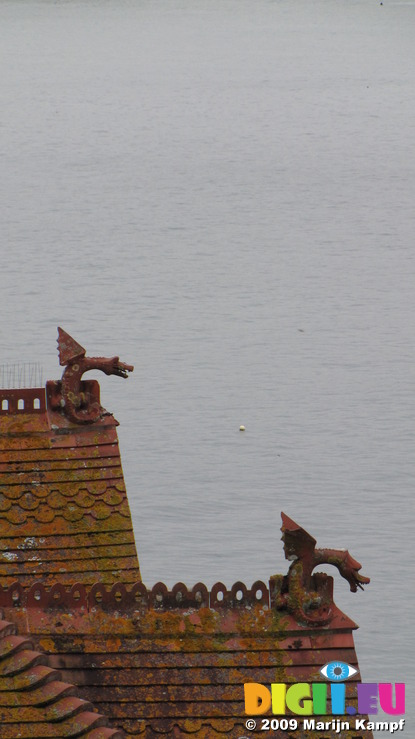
pixel 137 597
pixel 28 400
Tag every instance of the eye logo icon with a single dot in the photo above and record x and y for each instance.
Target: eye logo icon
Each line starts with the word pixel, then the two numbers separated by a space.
pixel 338 671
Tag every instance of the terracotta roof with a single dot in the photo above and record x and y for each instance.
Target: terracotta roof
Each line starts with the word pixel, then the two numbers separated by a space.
pixel 174 663
pixel 64 513
pixel 35 703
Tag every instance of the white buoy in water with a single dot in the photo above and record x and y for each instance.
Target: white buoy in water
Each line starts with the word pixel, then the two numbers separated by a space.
pixel 241 428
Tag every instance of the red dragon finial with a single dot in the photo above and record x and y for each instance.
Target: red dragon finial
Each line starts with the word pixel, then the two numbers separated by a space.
pixel 299 594
pixel 79 406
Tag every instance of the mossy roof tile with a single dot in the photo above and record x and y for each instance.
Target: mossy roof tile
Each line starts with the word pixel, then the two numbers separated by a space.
pixel 62 494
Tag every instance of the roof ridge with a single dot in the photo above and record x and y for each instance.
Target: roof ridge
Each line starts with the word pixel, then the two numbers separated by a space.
pixel 131 597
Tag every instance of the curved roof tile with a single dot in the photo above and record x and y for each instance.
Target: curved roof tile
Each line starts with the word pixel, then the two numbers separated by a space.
pixel 35 703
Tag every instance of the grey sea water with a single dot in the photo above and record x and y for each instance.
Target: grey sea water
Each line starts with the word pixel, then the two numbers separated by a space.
pixel 222 192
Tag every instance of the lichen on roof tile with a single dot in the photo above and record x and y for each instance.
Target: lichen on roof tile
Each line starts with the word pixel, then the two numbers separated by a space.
pixel 34 702
pixel 60 484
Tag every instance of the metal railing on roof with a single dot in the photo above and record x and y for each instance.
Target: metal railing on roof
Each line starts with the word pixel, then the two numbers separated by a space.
pixel 21 375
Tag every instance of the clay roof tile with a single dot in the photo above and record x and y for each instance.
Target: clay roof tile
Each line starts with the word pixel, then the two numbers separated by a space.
pixel 34 703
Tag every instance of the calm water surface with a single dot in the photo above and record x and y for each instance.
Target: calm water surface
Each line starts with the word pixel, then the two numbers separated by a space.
pixel 223 194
